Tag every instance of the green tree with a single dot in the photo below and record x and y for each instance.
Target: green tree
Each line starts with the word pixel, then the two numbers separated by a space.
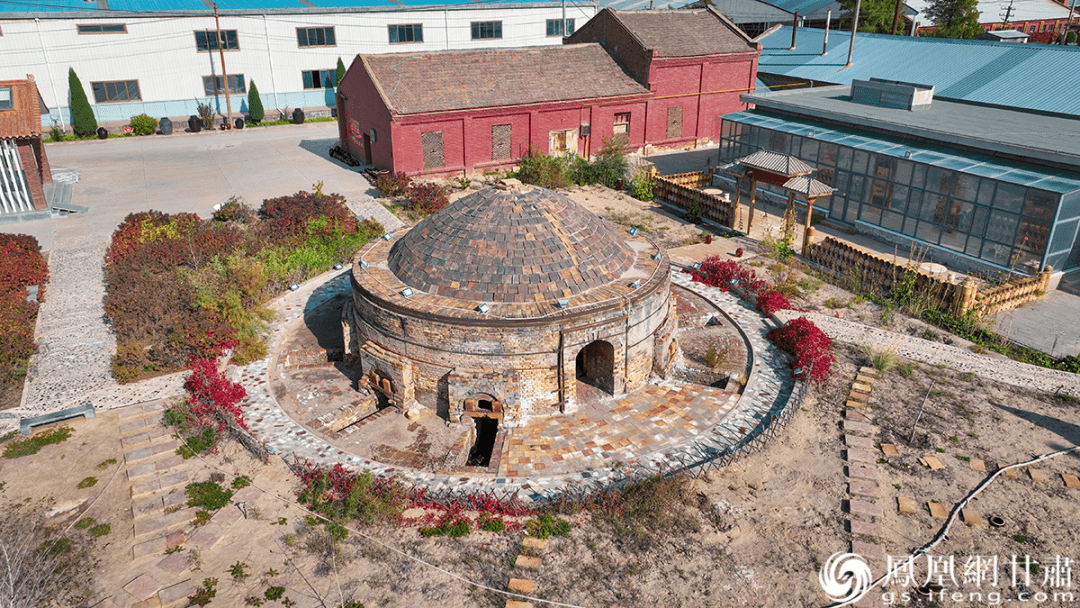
pixel 954 18
pixel 340 70
pixel 875 16
pixel 82 115
pixel 255 107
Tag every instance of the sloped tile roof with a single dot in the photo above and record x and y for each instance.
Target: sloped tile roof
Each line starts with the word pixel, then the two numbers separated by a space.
pixel 775 162
pixel 458 80
pixel 684 33
pixel 804 184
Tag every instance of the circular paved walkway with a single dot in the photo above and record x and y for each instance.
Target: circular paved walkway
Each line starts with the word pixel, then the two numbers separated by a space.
pixel 767 394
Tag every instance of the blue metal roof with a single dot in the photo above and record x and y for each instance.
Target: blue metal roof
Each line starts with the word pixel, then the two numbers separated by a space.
pixel 1027 175
pixel 8 7
pixel 156 5
pixel 1033 76
pixel 803 7
pixel 46 6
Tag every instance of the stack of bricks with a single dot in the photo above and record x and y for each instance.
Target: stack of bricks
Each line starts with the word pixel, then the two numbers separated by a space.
pixel 528 559
pixel 864 511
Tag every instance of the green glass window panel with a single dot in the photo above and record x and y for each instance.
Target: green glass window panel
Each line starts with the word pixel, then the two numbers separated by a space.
pixel 828 154
pixel 826 175
pixel 938 180
pixel 898 200
pixel 928 231
pixel 778 142
pixel 842 178
pixel 851 212
pixel 1032 235
pixel 1060 185
pixel 1026 178
pixel 859 162
pixel 870 214
pixel 918 176
pixel 915 203
pixel 1074 258
pixel 892 220
pixel 986 191
pixel 1002 226
pixel 965 187
pixel 1009 197
pixel 953 240
pixel 809 151
pixel 1040 205
pixel 844 159
pixel 933 208
pixel 879 192
pixel 1064 235
pixel 978 224
pixel 903 172
pixel 857 187
pixel 996 253
pixel 1056 260
pixel 974 244
pixel 959 215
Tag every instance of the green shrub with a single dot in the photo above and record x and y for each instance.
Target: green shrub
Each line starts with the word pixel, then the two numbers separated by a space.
pixel 454 528
pixel 340 71
pixel 207 495
pixel 234 210
pixel 100 530
pixel 491 524
pixel 144 124
pixel 547 525
pixel 83 122
pixel 610 164
pixel 241 482
pixel 84 523
pixel 89 482
pixel 255 106
pixel 274 593
pixel 32 445
pixel 545 171
pixel 641 186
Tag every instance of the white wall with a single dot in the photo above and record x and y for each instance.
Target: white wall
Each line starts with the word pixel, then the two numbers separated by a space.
pixel 159 51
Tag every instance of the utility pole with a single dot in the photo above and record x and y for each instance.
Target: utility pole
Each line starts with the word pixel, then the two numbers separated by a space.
pixel 224 74
pixel 1068 24
pixel 564 34
pixel 896 16
pixel 1008 13
pixel 854 28
pixel 825 42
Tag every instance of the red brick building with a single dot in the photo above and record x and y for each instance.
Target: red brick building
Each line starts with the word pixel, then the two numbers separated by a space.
pixel 23 164
pixel 658 78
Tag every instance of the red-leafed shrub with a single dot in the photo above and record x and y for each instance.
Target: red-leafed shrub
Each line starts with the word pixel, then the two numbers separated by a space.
pixel 810 347
pixel 21 263
pixel 771 301
pixel 426 198
pixel 214 400
pixel 1044 37
pixel 291 214
pixel 340 494
pixel 727 275
pixel 392 185
pixel 180 288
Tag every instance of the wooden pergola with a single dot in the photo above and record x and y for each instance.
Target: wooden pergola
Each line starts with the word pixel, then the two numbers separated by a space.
pixel 785 171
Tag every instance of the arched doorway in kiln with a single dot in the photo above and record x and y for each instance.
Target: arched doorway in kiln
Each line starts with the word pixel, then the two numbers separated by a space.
pixel 486 413
pixel 595 370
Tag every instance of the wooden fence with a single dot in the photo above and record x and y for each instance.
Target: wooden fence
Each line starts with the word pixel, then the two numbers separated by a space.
pixel 682 191
pixel 871 273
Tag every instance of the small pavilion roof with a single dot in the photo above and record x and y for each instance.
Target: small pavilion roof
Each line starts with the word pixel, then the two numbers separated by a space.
pixel 808 186
pixel 774 162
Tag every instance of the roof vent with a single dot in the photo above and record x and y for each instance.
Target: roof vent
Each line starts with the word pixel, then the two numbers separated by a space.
pixel 892 94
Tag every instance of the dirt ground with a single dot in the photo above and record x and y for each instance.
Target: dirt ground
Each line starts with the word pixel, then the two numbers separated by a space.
pixel 752 534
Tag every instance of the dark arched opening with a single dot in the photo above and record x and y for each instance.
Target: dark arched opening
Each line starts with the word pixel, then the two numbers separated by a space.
pixel 595 365
pixel 486 431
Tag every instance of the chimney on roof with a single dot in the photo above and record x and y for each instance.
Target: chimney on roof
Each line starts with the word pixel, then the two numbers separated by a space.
pixel 892 94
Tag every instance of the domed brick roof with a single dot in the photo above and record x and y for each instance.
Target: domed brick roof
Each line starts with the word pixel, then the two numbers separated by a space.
pixel 519 244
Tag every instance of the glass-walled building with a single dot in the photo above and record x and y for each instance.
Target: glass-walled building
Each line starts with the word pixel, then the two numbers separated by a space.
pixel 995 185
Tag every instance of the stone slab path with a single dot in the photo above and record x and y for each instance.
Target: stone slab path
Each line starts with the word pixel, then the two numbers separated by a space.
pixel 935 353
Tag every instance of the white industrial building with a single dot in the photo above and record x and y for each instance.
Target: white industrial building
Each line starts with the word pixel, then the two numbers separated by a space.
pixel 159 57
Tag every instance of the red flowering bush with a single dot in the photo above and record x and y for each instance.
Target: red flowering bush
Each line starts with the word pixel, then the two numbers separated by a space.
pixel 771 301
pixel 21 265
pixel 340 494
pixel 290 214
pixel 810 348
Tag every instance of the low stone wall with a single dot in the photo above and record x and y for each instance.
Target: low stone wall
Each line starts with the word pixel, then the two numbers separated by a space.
pixel 876 274
pixel 682 190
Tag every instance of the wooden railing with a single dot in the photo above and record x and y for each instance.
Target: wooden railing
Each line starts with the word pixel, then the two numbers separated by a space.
pixel 682 191
pixel 867 272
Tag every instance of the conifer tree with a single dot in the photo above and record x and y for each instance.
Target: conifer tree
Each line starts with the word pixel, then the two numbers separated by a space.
pixel 255 107
pixel 83 122
pixel 340 70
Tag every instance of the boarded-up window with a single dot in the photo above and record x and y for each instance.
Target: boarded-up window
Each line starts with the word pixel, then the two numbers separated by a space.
pixel 432 145
pixel 621 131
pixel 674 122
pixel 500 142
